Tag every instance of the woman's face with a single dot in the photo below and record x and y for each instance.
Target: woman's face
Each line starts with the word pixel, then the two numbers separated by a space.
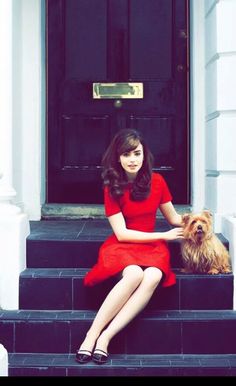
pixel 132 161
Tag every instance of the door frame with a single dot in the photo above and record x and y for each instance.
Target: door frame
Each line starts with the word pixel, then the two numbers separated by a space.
pixel 35 131
pixel 63 180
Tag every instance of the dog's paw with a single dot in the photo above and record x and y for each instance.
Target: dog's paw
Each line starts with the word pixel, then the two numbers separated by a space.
pixel 226 270
pixel 213 271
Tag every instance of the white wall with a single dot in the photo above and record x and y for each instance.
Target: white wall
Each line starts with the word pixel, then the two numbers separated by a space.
pixel 29 106
pixel 220 60
pixel 197 108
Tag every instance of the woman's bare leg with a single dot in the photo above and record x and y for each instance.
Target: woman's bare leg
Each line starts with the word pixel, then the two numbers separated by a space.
pixel 117 297
pixel 137 301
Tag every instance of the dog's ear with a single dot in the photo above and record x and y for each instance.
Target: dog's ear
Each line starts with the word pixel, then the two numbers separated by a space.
pixel 185 218
pixel 207 213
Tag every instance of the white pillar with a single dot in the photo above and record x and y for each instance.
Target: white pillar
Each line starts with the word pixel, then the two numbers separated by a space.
pixel 197 114
pixel 14 225
pixel 3 361
pixel 6 190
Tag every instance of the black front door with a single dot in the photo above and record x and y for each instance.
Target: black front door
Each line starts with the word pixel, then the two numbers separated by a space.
pixel 115 41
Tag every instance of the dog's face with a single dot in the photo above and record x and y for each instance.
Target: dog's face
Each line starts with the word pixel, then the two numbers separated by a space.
pixel 197 227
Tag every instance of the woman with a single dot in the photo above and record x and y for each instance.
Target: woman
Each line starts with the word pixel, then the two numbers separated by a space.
pixel 132 195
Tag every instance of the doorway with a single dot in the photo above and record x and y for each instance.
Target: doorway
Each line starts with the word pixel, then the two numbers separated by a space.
pixel 96 45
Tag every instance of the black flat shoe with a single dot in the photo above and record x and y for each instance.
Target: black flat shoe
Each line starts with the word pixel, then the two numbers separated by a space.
pixel 100 356
pixel 83 356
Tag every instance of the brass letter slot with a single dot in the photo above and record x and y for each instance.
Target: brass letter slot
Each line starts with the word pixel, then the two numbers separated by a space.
pixel 117 90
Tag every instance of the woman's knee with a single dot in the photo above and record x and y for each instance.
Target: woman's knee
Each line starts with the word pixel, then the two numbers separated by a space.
pixel 152 277
pixel 133 274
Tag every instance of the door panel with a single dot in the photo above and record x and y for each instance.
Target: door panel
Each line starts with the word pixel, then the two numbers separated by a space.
pixel 115 41
pixel 150 39
pixel 77 132
pixel 85 39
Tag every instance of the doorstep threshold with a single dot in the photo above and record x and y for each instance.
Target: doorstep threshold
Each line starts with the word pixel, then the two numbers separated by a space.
pixel 86 211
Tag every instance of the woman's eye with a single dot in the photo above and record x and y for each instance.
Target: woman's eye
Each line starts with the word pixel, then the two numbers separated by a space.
pixel 125 154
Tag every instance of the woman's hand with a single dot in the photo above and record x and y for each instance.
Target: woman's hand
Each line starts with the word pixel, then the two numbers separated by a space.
pixel 173 234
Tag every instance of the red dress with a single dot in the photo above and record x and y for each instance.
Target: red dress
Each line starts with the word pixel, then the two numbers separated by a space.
pixel 114 255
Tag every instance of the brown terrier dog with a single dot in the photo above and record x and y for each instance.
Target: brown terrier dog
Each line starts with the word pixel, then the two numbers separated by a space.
pixel 202 251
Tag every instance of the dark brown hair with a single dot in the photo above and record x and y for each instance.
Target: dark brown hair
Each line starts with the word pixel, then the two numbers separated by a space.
pixel 114 175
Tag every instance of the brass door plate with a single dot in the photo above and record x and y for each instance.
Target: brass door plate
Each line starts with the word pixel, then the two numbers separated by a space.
pixel 117 90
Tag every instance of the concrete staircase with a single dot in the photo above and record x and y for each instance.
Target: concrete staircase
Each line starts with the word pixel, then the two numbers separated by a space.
pixel 187 329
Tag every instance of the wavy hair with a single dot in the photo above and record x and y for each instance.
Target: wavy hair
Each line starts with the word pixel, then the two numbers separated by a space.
pixel 113 174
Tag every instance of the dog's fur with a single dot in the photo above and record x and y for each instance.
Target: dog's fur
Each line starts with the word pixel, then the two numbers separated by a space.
pixel 202 251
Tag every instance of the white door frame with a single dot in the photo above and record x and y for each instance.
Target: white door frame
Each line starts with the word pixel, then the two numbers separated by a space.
pixel 31 190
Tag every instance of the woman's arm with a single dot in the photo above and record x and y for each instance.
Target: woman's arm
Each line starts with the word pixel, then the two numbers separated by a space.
pixel 124 234
pixel 170 214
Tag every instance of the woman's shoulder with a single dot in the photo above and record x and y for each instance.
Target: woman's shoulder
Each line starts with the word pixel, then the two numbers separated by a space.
pixel 156 177
pixel 160 185
pixel 158 181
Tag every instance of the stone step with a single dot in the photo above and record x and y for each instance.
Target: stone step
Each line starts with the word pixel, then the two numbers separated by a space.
pixel 62 365
pixel 75 244
pixel 63 288
pixel 152 332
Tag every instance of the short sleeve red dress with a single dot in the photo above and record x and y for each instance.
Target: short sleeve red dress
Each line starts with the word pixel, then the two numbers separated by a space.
pixel 114 255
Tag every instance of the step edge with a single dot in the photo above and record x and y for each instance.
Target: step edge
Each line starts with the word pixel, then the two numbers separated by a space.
pixel 135 361
pixel 80 272
pixel 182 315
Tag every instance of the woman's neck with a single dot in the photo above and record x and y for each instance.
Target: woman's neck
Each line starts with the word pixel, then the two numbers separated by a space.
pixel 131 177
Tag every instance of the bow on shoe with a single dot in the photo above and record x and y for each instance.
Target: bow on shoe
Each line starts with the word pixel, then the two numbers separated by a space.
pixel 83 356
pixel 100 356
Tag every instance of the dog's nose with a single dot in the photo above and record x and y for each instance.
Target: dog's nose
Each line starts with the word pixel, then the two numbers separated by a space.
pixel 199 227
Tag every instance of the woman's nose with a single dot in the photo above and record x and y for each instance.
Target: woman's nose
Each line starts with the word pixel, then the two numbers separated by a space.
pixel 132 157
